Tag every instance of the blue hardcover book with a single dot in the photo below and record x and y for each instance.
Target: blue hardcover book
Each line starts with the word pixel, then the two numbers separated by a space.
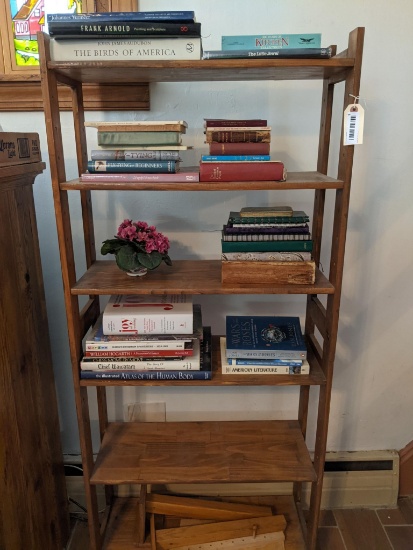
pixel 235 158
pixel 204 373
pixel 268 41
pixel 131 166
pixel 264 337
pixel 112 17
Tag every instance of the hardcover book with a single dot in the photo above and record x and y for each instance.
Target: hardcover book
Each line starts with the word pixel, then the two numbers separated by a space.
pixel 132 49
pixel 264 337
pixel 297 216
pixel 125 166
pixel 140 126
pixel 265 211
pixel 266 257
pixel 138 138
pixel 216 148
pixel 122 154
pixel 267 246
pixel 263 237
pixel 242 171
pixel 74 29
pixel 282 229
pixel 236 136
pixel 143 363
pixel 142 314
pixel 112 16
pixel 19 148
pixel 267 41
pixel 105 177
pixel 260 366
pixel 203 373
pixel 281 53
pixel 225 122
pixel 235 158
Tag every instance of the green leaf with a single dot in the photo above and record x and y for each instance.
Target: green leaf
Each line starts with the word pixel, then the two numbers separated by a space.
pixel 167 259
pixel 111 246
pixel 150 261
pixel 127 258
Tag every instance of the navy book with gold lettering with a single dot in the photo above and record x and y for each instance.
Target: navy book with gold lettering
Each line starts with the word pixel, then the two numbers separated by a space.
pixel 264 337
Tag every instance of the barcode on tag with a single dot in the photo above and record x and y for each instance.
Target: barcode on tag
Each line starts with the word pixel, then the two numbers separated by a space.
pixel 353 125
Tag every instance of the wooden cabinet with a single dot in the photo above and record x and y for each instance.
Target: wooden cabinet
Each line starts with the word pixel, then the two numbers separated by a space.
pixel 33 506
pixel 264 451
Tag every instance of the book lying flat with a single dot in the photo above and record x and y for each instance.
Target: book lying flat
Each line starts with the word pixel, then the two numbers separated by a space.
pixel 265 211
pixel 220 122
pixel 267 246
pixel 111 17
pixel 128 27
pixel 140 126
pixel 281 53
pixel 138 138
pixel 242 171
pixel 259 41
pixel 264 336
pixel 266 256
pixel 122 154
pixel 108 177
pixel 125 166
pixel 297 216
pixel 216 148
pixel 223 135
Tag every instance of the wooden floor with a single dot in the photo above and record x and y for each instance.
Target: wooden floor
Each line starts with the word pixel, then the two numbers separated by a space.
pixel 357 529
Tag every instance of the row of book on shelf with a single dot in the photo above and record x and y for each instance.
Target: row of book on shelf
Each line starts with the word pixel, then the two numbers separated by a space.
pixel 161 338
pixel 172 35
pixel 149 151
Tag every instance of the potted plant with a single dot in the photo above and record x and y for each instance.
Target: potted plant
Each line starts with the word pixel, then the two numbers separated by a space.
pixel 138 247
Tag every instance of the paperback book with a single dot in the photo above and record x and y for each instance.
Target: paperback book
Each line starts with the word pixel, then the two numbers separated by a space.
pixel 266 41
pixel 148 314
pixel 266 256
pixel 112 16
pixel 203 373
pixel 264 337
pixel 142 29
pixel 275 53
pixel 122 154
pixel 125 49
pixel 126 166
pixel 260 366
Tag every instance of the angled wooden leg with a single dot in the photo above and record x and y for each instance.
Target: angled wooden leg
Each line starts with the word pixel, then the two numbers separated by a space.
pixel 141 516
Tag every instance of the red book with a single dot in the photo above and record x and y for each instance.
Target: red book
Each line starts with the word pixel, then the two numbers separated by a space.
pixel 223 122
pixel 239 148
pixel 272 170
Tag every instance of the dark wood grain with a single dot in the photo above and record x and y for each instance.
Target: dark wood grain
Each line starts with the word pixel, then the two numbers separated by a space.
pixel 361 530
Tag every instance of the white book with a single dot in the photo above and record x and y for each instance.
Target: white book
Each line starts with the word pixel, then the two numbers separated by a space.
pixel 105 364
pixel 125 49
pixel 148 314
pixel 228 368
pixel 266 256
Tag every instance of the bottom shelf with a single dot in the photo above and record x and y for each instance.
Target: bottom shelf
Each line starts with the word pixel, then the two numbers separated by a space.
pixel 121 531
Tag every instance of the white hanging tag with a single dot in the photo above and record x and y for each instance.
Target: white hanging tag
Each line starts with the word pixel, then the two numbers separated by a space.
pixel 353 124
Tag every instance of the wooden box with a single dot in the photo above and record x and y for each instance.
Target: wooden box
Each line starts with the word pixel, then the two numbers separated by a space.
pixel 288 273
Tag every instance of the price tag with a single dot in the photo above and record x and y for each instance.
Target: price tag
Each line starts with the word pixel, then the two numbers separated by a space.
pixel 353 124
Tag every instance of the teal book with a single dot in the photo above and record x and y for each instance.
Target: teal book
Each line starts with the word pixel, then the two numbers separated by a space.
pixel 132 166
pixel 267 246
pixel 248 42
pixel 139 138
pixel 298 216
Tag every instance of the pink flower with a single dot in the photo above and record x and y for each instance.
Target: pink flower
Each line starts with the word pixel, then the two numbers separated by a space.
pixel 143 234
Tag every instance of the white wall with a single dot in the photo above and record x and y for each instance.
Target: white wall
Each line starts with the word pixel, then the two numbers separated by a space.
pixel 372 404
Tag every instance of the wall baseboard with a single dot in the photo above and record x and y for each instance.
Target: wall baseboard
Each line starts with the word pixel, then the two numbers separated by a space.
pixel 360 479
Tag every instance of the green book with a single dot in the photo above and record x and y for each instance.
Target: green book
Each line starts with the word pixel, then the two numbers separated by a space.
pixel 298 216
pixel 267 246
pixel 139 138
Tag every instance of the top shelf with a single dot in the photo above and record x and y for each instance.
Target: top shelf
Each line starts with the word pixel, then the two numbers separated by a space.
pixel 121 72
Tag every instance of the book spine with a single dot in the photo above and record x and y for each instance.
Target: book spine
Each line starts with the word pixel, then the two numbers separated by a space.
pixel 236 218
pixel 110 17
pixel 173 376
pixel 267 362
pixel 216 148
pixel 19 148
pixel 283 53
pixel 266 256
pixel 180 177
pixel 237 136
pixel 241 171
pixel 80 29
pixel 125 166
pixel 138 138
pixel 263 237
pixel 139 365
pixel 235 158
pixel 283 230
pixel 102 351
pixel 219 123
pixel 271 246
pixel 119 154
pixel 111 49
pixel 270 354
pixel 268 41
pixel 253 370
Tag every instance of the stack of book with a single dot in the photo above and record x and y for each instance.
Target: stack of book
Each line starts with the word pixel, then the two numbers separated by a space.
pixel 145 151
pixel 172 35
pixel 267 245
pixel 263 345
pixel 148 338
pixel 270 46
pixel 239 150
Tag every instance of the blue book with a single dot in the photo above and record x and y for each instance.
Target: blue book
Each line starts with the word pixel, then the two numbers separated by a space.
pixel 235 158
pixel 264 337
pixel 204 373
pixel 112 17
pixel 268 41
pixel 265 362
pixel 132 166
